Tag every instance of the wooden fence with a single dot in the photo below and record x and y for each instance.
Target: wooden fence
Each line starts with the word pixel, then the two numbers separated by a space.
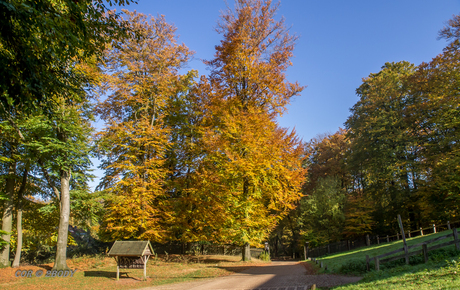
pixel 202 249
pixel 407 254
pixel 368 240
pixel 432 229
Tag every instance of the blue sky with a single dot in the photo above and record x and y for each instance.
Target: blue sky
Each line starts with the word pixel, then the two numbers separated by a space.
pixel 340 43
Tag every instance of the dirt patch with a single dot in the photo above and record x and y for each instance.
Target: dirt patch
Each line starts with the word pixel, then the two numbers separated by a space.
pixel 311 268
pixel 326 280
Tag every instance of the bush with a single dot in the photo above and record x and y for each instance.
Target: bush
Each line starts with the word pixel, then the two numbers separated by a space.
pixel 354 267
pixel 264 256
pixel 443 254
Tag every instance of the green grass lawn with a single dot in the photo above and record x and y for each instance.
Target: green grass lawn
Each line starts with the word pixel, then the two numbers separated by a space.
pixel 432 275
pixel 441 272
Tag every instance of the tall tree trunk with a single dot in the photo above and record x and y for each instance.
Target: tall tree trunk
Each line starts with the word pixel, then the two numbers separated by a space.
pixel 61 248
pixel 294 236
pixel 246 252
pixel 7 220
pixel 17 257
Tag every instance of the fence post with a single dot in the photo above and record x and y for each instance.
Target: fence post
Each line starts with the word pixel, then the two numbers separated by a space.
pixel 377 263
pixel 403 235
pixel 388 239
pixel 368 242
pixel 457 243
pixel 425 252
pixel 367 263
pixel 406 252
pixel 434 228
pixel 421 231
pixel 378 240
pixel 397 236
pixel 408 232
pixel 305 250
pixel 328 250
pixel 448 225
pixel 348 245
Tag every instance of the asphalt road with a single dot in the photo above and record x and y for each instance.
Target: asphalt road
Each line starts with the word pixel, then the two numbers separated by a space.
pixel 274 276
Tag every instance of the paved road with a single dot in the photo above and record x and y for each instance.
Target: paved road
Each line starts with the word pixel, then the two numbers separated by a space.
pixel 274 276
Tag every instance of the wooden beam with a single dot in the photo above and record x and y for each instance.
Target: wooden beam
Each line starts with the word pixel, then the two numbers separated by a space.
pixel 457 243
pixel 425 253
pixel 406 250
pixel 390 253
pixel 377 263
pixel 118 268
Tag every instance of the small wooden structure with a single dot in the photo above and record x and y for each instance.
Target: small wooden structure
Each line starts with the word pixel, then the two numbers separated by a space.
pixel 131 255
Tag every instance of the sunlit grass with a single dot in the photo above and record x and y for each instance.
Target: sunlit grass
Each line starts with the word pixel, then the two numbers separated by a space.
pixel 441 272
pixel 335 261
pixel 100 272
pixel 433 275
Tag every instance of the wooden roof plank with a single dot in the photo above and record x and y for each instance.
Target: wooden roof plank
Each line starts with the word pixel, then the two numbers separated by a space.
pixel 130 248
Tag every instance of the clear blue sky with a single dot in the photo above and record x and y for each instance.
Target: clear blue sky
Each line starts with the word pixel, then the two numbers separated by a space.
pixel 340 43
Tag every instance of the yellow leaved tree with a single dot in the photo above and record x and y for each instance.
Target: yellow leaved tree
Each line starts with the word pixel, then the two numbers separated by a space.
pixel 252 170
pixel 141 74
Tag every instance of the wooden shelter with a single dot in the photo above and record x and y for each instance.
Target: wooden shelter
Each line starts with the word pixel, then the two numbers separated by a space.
pixel 131 255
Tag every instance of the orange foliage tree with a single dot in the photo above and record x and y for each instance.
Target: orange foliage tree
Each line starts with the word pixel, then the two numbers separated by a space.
pixel 252 171
pixel 141 76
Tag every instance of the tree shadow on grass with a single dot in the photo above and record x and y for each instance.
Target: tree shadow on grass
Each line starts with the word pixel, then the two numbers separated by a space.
pixel 107 274
pixel 46 267
pixel 209 260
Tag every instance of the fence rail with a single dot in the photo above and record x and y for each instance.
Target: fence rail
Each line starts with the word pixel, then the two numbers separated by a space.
pixel 203 249
pixel 407 254
pixel 368 240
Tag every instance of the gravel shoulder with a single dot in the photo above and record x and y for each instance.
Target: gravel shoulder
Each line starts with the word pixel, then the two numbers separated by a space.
pixel 273 276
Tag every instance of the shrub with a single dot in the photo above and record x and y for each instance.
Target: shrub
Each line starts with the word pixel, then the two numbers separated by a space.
pixel 264 256
pixel 354 267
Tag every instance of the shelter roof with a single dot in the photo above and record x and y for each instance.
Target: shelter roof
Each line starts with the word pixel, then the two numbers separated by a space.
pixel 131 248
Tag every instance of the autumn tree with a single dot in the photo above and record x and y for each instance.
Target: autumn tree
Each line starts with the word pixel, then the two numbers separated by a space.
pixel 322 212
pixel 434 120
pixel 358 214
pixel 326 157
pixel 254 166
pixel 141 74
pixel 322 208
pixel 383 145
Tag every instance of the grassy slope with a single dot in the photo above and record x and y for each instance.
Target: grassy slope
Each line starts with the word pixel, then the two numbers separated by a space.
pixel 335 261
pixel 432 275
pixel 441 272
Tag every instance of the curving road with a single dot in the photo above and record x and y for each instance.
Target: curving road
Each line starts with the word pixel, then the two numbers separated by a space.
pixel 274 276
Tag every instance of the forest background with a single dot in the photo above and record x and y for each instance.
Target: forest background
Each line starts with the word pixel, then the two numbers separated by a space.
pixel 398 152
